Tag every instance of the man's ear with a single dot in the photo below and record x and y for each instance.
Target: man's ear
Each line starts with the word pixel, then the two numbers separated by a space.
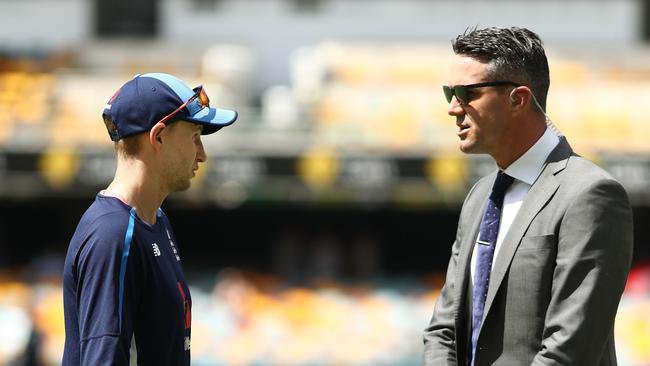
pixel 520 97
pixel 156 134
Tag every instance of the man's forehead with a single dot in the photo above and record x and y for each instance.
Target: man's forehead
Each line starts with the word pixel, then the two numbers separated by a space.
pixel 193 126
pixel 466 70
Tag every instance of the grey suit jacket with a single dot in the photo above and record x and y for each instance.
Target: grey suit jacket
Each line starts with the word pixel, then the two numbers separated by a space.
pixel 557 280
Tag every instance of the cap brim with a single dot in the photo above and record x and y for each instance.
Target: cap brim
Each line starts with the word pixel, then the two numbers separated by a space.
pixel 213 119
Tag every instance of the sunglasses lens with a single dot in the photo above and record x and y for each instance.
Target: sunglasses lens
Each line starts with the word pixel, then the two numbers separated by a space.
pixel 459 91
pixel 449 93
pixel 204 101
pixel 461 94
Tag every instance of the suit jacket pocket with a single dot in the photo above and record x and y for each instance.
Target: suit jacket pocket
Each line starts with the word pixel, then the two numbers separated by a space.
pixel 538 242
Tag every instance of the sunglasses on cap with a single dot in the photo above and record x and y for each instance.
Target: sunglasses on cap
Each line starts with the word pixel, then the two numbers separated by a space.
pixel 461 92
pixel 200 99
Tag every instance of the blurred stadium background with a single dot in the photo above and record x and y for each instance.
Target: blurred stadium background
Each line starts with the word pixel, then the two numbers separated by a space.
pixel 318 231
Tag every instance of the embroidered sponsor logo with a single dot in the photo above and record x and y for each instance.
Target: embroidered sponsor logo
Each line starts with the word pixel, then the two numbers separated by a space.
pixel 156 250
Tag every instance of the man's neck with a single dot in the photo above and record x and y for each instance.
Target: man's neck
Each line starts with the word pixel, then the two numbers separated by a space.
pixel 527 135
pixel 138 189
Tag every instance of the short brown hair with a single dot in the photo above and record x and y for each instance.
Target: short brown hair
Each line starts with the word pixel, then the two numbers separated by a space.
pixel 128 146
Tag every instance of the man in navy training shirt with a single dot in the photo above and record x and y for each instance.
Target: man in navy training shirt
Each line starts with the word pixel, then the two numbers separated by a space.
pixel 123 281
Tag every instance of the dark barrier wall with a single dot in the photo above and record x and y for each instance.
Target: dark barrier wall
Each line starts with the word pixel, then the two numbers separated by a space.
pixel 300 242
pixel 126 18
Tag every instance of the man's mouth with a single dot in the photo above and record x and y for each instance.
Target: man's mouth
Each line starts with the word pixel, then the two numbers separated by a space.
pixel 463 130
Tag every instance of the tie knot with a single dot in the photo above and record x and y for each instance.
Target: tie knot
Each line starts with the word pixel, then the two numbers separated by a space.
pixel 502 183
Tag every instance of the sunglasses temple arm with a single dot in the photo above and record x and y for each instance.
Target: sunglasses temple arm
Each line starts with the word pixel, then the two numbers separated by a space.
pixel 172 114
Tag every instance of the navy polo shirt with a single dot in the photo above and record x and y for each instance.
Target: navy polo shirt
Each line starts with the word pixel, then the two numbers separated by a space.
pixel 123 281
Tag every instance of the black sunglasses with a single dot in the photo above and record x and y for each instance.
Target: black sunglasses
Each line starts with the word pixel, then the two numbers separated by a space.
pixel 462 91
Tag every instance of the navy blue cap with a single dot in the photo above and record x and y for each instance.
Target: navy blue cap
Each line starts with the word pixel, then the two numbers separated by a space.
pixel 146 99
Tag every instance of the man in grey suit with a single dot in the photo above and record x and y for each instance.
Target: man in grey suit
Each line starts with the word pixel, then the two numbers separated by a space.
pixel 544 245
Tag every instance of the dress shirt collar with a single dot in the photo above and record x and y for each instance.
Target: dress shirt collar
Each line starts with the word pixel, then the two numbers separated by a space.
pixel 529 166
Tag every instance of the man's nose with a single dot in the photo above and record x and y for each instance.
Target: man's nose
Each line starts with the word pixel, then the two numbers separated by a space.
pixel 200 152
pixel 455 108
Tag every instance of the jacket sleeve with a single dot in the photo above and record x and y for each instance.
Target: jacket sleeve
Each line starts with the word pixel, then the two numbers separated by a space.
pixel 593 260
pixel 440 335
pixel 108 275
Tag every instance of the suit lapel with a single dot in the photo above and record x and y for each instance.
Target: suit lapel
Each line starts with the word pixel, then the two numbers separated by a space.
pixel 540 193
pixel 470 229
pixel 463 294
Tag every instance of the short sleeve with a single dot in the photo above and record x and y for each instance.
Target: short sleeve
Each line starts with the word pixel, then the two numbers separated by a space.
pixel 108 275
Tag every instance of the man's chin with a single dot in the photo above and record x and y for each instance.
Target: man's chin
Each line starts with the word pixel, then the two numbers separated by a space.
pixel 466 147
pixel 182 187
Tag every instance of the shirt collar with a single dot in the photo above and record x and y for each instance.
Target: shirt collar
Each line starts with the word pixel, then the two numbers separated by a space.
pixel 529 166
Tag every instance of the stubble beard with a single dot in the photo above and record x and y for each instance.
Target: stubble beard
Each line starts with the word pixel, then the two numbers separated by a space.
pixel 181 184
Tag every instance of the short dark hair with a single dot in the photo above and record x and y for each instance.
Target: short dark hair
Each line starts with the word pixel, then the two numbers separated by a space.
pixel 515 54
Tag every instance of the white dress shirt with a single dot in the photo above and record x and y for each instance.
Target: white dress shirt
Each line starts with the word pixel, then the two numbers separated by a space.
pixel 525 170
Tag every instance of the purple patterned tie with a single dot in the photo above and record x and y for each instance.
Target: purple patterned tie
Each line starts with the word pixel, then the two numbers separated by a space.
pixel 486 242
